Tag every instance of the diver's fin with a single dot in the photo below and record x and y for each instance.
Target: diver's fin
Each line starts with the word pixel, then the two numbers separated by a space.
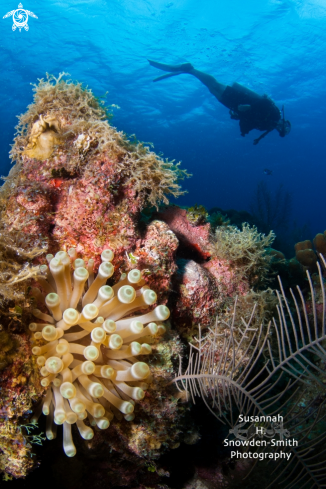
pixel 168 75
pixel 183 68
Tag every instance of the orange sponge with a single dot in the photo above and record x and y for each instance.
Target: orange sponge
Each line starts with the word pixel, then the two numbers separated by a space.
pixel 307 258
pixel 303 245
pixel 305 254
pixel 320 243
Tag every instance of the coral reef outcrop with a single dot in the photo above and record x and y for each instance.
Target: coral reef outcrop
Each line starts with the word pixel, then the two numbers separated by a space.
pixel 79 184
pixel 90 188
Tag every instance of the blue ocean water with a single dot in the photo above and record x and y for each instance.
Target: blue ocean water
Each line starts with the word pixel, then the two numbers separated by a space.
pixel 276 47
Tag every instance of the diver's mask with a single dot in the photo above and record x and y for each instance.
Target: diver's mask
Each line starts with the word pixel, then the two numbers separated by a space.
pixel 283 127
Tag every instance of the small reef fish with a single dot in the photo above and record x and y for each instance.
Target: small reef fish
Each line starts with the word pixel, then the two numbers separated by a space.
pixel 268 172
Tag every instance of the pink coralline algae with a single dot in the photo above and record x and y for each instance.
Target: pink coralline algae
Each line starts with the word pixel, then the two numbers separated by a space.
pixel 79 183
pixel 198 297
pixel 79 210
pixel 194 239
pixel 156 252
pixel 224 277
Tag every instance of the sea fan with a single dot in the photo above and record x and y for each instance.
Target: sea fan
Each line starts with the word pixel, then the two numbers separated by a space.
pixel 259 372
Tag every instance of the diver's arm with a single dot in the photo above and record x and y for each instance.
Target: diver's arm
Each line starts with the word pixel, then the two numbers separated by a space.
pixel 256 141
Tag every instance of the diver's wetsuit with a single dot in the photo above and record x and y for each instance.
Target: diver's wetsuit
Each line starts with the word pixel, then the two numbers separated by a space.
pixel 262 113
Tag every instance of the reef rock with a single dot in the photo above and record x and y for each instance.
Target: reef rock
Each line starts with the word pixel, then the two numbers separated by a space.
pixel 89 190
pixel 80 184
pixel 193 236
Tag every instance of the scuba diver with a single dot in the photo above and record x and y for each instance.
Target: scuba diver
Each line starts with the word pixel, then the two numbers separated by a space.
pixel 253 111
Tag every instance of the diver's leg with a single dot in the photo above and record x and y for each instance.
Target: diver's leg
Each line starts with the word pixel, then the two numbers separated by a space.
pixel 216 88
pixel 183 68
pixel 209 81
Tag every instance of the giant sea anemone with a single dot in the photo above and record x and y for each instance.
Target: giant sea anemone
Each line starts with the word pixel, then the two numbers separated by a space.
pixel 92 371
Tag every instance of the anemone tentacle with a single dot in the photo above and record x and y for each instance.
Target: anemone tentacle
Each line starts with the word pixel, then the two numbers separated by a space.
pixel 92 339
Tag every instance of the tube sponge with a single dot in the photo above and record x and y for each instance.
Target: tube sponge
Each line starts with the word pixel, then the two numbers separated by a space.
pixel 305 254
pixel 320 243
pixel 88 368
